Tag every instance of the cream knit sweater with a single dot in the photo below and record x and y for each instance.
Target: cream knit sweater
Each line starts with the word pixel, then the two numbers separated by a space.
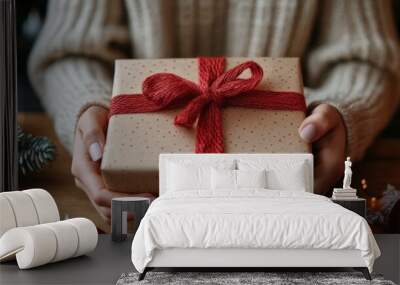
pixel 349 50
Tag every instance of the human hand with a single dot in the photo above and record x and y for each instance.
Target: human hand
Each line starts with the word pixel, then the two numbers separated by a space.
pixel 324 128
pixel 88 151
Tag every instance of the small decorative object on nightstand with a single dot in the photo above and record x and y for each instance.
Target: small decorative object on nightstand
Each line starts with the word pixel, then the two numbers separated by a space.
pixel 119 214
pixel 346 193
pixel 347 196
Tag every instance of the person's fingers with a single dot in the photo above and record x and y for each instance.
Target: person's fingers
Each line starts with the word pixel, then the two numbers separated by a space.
pixel 104 212
pixel 89 179
pixel 104 197
pixel 83 168
pixel 329 156
pixel 86 170
pixel 327 171
pixel 322 119
pixel 79 184
pixel 92 126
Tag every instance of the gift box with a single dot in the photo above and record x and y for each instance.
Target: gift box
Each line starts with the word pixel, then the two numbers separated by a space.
pixel 232 105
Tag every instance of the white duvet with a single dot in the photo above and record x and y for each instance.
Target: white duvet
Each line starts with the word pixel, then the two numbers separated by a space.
pixel 250 219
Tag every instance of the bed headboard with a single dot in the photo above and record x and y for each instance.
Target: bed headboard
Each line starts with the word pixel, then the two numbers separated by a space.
pixel 165 157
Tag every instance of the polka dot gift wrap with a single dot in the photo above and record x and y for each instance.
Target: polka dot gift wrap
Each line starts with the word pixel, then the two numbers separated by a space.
pixel 134 141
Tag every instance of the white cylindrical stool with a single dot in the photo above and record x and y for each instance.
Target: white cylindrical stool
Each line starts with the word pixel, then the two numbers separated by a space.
pixel 41 244
pixel 26 208
pixel 7 218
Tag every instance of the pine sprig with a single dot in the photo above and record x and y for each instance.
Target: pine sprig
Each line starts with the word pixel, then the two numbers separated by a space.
pixel 33 152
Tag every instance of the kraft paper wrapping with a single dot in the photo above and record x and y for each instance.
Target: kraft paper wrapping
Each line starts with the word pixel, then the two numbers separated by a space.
pixel 134 141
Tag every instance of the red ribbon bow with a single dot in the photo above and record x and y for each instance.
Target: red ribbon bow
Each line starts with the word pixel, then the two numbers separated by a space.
pixel 203 102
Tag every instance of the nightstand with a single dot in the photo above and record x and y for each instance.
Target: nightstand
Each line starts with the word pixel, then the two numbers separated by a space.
pixel 357 205
pixel 119 214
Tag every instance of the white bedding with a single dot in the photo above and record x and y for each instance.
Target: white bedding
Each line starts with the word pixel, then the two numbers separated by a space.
pixel 250 219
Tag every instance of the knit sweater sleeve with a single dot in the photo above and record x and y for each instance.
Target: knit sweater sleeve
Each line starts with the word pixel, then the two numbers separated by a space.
pixel 353 65
pixel 71 63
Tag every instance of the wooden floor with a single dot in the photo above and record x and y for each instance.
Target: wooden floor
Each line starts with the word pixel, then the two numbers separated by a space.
pixel 380 166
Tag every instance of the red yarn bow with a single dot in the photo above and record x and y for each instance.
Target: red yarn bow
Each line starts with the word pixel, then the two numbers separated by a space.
pixel 203 102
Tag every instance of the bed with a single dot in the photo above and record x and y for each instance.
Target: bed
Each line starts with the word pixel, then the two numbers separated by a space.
pixel 247 211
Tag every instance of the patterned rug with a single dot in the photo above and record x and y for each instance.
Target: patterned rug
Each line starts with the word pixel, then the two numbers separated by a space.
pixel 268 278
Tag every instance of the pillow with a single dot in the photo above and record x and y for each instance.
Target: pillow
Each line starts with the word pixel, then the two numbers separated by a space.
pixel 183 177
pixel 251 179
pixel 193 174
pixel 289 175
pixel 237 179
pixel 223 179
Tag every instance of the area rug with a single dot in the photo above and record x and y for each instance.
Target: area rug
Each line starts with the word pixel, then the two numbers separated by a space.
pixel 268 278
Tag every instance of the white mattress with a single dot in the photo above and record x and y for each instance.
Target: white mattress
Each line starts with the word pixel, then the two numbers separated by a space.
pixel 250 219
